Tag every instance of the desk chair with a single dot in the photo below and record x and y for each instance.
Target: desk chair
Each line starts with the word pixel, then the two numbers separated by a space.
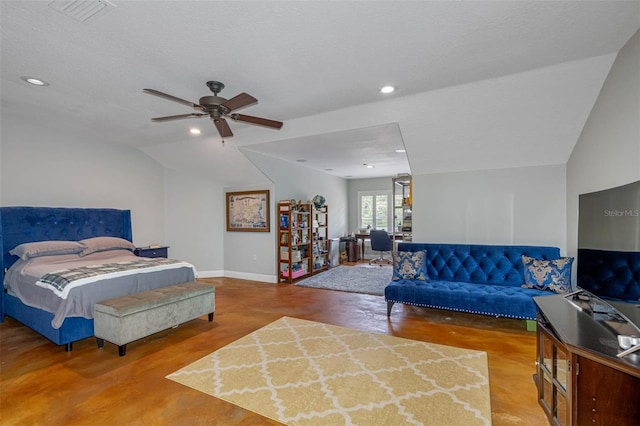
pixel 381 242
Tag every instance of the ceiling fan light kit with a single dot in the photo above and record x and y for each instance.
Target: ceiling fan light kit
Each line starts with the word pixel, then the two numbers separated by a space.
pixel 217 108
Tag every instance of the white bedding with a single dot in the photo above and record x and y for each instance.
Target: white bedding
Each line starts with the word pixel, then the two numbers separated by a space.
pixel 79 300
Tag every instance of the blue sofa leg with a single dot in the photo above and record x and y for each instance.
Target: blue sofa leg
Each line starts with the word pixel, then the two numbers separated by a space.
pixel 389 306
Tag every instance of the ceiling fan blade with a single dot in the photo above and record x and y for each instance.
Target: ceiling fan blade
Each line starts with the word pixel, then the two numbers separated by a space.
pixel 240 101
pixel 257 120
pixel 173 98
pixel 223 127
pixel 177 117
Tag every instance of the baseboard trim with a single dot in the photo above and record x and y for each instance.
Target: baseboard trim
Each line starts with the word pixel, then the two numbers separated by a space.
pixel 210 274
pixel 239 275
pixel 250 276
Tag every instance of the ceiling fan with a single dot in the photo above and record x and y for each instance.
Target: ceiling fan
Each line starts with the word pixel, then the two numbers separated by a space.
pixel 217 108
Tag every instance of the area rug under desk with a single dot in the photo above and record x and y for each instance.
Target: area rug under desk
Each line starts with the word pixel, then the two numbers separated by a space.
pixel 301 372
pixel 355 279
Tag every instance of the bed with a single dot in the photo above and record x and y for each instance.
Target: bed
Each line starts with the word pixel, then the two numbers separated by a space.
pixel 69 323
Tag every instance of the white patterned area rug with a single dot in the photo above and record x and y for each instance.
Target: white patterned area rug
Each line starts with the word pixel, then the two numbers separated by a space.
pixel 301 372
pixel 355 279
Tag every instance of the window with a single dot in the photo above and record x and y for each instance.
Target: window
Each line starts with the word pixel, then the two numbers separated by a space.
pixel 374 210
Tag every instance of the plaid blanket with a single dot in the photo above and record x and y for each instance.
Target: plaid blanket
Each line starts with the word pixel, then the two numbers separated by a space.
pixel 61 282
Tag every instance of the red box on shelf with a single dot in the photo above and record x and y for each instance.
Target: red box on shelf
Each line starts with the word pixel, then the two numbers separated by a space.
pixel 294 274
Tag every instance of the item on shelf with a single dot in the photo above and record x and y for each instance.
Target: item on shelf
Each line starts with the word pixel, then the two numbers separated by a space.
pixel 318 201
pixel 284 221
pixel 294 274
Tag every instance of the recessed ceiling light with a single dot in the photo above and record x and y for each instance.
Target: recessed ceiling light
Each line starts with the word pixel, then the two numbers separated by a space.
pixel 387 89
pixel 401 150
pixel 194 131
pixel 368 166
pixel 34 81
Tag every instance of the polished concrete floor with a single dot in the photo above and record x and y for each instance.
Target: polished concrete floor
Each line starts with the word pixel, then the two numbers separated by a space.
pixel 42 384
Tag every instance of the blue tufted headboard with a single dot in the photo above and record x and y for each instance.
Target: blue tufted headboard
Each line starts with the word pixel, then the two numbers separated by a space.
pixel 610 274
pixel 28 224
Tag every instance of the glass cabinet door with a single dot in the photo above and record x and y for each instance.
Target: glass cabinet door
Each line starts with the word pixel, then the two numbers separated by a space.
pixel 554 372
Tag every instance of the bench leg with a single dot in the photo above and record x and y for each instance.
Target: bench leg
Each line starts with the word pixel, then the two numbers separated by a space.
pixel 211 317
pixel 389 306
pixel 122 350
pixel 100 342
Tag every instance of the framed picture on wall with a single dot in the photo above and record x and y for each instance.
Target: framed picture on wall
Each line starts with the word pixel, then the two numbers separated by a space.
pixel 248 211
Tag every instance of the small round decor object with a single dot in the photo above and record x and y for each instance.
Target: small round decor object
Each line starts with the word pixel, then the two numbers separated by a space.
pixel 318 201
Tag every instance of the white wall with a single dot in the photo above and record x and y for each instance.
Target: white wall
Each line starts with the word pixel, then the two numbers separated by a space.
pixel 250 255
pixel 607 153
pixel 290 180
pixel 57 168
pixel 194 214
pixel 523 205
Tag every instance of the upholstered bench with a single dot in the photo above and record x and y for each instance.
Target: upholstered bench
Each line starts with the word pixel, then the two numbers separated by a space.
pixel 125 319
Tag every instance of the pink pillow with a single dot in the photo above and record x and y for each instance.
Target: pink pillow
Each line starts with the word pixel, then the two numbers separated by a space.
pixel 46 248
pixel 96 244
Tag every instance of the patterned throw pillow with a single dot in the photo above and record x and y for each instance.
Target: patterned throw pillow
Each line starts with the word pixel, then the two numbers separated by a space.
pixel 550 275
pixel 409 265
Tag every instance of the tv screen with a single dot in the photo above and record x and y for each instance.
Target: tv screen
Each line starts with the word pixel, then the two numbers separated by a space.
pixel 609 242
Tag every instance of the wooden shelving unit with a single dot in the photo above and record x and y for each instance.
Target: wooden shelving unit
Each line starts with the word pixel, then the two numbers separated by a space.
pixel 294 241
pixel 320 239
pixel 303 241
pixel 402 206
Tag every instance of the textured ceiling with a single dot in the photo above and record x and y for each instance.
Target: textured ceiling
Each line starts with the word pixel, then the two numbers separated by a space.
pixel 502 75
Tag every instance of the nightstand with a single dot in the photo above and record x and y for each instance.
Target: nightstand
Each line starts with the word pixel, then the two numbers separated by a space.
pixel 161 251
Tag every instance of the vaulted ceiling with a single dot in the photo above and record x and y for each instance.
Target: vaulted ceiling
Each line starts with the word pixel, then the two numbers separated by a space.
pixel 482 84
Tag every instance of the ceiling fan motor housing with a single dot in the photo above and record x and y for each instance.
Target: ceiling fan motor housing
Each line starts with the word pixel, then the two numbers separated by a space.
pixel 214 103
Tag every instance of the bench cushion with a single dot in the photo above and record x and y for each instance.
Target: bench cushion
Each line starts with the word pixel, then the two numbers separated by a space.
pixel 137 302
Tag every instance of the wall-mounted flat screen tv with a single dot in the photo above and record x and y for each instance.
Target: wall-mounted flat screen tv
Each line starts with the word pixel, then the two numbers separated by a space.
pixel 609 242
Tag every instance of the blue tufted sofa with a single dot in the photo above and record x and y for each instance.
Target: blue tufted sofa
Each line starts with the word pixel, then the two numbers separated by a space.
pixel 481 279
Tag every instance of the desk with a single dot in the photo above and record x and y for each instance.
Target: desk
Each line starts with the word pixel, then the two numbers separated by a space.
pixel 364 237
